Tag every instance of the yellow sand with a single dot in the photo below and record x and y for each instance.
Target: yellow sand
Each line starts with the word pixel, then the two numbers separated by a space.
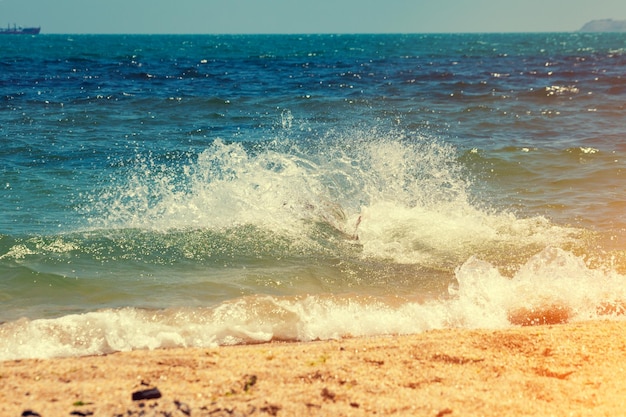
pixel 561 370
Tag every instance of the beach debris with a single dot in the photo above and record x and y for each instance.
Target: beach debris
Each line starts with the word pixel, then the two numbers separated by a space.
pixel 328 394
pixel 444 412
pixel 182 407
pixel 146 394
pixel 81 413
pixel 271 409
pixel 250 381
pixel 30 413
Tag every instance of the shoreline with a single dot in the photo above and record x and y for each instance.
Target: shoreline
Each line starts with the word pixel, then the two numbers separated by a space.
pixel 575 368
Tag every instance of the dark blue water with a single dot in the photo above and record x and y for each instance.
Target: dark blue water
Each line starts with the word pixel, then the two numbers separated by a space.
pixel 193 190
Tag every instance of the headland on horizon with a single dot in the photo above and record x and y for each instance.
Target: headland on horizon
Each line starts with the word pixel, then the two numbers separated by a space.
pixel 604 25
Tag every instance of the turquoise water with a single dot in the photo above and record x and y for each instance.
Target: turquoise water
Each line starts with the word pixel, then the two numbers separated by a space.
pixel 163 191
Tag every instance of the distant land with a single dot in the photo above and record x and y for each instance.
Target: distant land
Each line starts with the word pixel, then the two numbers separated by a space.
pixel 604 25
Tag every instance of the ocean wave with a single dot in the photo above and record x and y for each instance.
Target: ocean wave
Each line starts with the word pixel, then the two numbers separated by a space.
pixel 554 286
pixel 393 196
pixel 383 195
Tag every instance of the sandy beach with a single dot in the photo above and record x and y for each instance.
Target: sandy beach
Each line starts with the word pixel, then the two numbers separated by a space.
pixel 570 369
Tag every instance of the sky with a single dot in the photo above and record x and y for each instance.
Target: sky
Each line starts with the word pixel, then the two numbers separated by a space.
pixel 311 16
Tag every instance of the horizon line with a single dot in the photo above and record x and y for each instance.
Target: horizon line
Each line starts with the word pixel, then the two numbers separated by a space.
pixel 312 33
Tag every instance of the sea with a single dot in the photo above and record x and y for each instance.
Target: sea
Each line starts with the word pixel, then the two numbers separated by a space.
pixel 162 191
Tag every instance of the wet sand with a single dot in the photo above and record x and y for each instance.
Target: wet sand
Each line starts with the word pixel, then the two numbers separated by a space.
pixel 569 369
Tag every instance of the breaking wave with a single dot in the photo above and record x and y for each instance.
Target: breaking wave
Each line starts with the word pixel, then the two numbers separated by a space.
pixel 553 287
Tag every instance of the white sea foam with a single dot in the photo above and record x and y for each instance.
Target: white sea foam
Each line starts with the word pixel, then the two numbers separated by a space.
pixel 552 287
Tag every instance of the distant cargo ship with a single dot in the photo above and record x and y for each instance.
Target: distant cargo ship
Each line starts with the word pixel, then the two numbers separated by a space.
pixel 18 30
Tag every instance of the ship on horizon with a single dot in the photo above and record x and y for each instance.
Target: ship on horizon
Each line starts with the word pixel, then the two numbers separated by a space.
pixel 18 30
